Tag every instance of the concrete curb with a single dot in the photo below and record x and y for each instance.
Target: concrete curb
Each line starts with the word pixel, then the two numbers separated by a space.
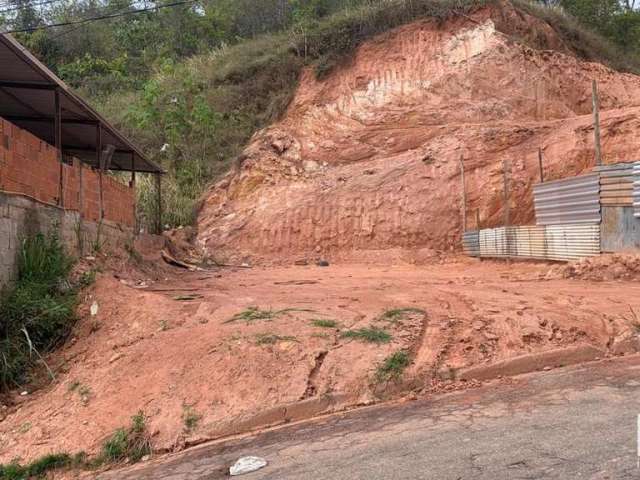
pixel 529 363
pixel 329 404
pixel 279 415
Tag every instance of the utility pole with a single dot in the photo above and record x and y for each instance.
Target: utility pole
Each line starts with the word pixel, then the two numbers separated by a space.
pixel 596 121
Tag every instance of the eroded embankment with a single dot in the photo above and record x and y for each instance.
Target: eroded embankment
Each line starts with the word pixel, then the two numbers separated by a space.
pixel 367 159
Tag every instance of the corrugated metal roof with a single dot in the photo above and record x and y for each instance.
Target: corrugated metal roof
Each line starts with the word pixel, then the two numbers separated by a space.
pixel 550 242
pixel 568 201
pixel 27 100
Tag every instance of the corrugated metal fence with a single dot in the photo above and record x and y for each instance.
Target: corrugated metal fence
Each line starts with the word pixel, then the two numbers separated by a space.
pixel 544 242
pixel 568 201
pixel 471 243
pixel 616 184
pixel 636 189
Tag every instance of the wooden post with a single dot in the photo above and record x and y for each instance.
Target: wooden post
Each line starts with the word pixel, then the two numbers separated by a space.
pixel 478 219
pixel 57 126
pixel 540 165
pixel 159 200
pixel 464 197
pixel 507 218
pixel 132 185
pixel 80 208
pixel 596 121
pixel 100 168
pixel 506 210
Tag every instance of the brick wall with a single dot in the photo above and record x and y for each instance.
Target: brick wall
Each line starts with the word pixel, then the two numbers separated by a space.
pixel 30 166
pixel 21 216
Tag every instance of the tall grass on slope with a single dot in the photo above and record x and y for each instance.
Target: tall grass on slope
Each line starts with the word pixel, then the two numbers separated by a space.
pixel 38 311
pixel 585 43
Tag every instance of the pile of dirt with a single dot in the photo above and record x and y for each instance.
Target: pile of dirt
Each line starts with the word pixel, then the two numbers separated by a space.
pixel 601 268
pixel 368 159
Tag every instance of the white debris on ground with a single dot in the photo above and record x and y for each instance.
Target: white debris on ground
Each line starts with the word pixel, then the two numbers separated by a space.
pixel 247 465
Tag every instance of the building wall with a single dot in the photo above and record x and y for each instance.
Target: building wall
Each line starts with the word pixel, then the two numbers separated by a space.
pixel 30 166
pixel 21 216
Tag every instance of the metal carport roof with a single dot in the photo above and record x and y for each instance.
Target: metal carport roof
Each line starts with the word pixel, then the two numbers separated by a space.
pixel 27 99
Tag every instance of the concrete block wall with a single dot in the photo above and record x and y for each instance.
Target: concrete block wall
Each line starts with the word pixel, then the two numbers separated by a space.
pixel 21 216
pixel 30 166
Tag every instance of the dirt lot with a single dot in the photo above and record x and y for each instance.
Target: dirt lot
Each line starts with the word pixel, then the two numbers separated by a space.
pixel 173 350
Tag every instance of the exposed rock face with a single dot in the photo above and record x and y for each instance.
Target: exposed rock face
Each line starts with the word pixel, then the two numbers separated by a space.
pixel 368 159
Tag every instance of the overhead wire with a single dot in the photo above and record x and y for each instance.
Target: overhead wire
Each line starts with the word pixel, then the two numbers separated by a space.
pixel 103 17
pixel 34 4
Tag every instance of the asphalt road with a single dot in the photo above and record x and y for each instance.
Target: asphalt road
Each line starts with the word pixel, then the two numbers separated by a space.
pixel 569 423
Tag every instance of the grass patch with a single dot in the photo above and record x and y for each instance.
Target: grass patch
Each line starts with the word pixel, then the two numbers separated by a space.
pixel 130 444
pixel 271 339
pixel 38 312
pixel 322 323
pixel 190 418
pixel 252 314
pixel 397 314
pixel 392 367
pixel 41 466
pixel 125 444
pixel 369 335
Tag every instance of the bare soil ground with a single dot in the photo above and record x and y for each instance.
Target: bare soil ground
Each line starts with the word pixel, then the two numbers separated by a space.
pixel 175 351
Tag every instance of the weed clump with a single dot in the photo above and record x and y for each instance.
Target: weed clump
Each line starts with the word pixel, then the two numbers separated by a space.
pixel 130 444
pixel 396 314
pixel 39 311
pixel 322 323
pixel 127 444
pixel 252 314
pixel 369 335
pixel 392 367
pixel 39 467
pixel 190 418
